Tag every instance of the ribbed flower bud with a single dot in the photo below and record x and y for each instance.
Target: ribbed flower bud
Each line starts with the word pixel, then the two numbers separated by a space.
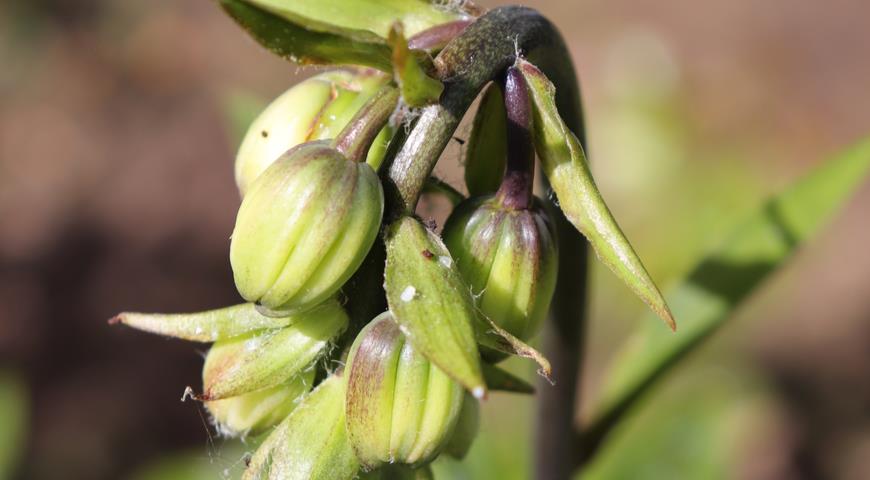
pixel 255 412
pixel 315 109
pixel 400 407
pixel 509 258
pixel 304 227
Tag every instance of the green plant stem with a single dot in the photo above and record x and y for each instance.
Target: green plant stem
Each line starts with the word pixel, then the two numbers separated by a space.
pixel 481 53
pixel 356 138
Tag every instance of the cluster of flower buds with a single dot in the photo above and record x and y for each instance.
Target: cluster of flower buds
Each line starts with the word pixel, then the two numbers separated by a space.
pixel 339 396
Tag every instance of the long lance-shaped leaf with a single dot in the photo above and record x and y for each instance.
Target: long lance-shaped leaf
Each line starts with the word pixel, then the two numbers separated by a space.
pixel 722 280
pixel 564 164
pixel 301 43
pixel 486 151
pixel 345 32
pixel 376 16
pixel 431 303
pixel 417 87
pixel 311 443
pixel 208 326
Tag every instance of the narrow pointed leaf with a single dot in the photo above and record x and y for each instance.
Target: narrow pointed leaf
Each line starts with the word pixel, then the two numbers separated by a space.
pixel 268 358
pixel 311 444
pixel 564 163
pixel 417 87
pixel 431 303
pixel 486 151
pixel 724 279
pixel 500 380
pixel 208 326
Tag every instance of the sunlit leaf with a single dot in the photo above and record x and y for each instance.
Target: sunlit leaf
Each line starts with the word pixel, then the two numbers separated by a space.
pixel 564 163
pixel 13 423
pixel 345 32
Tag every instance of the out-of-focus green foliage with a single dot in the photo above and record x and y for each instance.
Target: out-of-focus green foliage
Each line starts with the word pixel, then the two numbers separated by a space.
pixel 227 462
pixel 722 280
pixel 694 429
pixel 13 422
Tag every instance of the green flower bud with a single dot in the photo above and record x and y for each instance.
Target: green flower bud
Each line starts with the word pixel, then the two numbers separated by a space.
pixel 400 407
pixel 311 443
pixel 255 412
pixel 509 258
pixel 314 109
pixel 304 228
pixel 268 358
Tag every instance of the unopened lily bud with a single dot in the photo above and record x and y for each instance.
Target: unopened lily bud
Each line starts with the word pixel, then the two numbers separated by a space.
pixel 314 109
pixel 400 407
pixel 255 412
pixel 509 258
pixel 268 358
pixel 304 228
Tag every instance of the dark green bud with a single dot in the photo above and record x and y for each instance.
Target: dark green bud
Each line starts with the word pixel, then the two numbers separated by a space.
pixel 509 258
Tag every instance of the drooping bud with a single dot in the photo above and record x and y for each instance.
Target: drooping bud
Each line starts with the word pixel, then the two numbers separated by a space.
pixel 268 358
pixel 315 109
pixel 255 412
pixel 311 443
pixel 509 258
pixel 401 408
pixel 304 228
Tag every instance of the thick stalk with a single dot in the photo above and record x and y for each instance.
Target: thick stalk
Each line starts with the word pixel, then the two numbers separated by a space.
pixel 482 53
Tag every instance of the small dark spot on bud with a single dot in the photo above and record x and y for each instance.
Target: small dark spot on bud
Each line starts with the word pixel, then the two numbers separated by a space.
pixel 247 460
pixel 431 224
pixel 264 134
pixel 459 140
pixel 426 253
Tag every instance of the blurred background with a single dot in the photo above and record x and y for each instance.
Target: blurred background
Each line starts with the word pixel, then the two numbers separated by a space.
pixel 118 127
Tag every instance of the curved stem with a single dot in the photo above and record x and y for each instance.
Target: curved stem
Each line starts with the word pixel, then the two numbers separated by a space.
pixel 484 50
pixel 356 138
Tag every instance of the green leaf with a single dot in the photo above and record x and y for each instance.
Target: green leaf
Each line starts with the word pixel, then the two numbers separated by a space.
pixel 208 326
pixel 418 88
pixel 486 151
pixel 431 303
pixel 564 163
pixel 345 32
pixel 13 418
pixel 300 43
pixel 375 16
pixel 311 443
pixel 722 280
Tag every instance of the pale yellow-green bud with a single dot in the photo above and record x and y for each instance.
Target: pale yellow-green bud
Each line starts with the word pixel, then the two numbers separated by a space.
pixel 254 412
pixel 304 228
pixel 314 109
